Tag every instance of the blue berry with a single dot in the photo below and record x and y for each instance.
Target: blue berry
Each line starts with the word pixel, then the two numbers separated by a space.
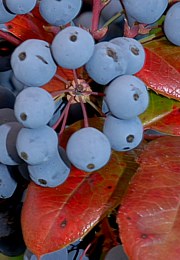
pixel 34 107
pixel 123 134
pixel 7 183
pixel 147 12
pixel 5 16
pixel 88 149
pixel 172 24
pixel 20 6
pixel 134 51
pixel 72 47
pixel 107 62
pixel 59 12
pixel 36 145
pixel 50 173
pixel 126 96
pixel 84 19
pixel 61 254
pixel 32 63
pixel 116 253
pixel 8 136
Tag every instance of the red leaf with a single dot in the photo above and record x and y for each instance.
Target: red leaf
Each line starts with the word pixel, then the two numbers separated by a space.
pixel 55 217
pixel 161 71
pixel 149 217
pixel 169 124
pixel 29 26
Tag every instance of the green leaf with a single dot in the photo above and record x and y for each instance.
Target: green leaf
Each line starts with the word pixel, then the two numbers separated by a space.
pixel 163 114
pixel 3 257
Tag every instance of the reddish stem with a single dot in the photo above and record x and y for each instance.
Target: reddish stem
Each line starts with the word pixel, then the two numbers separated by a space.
pixel 10 38
pixel 85 251
pixel 98 5
pixel 94 93
pixel 75 77
pixel 86 124
pixel 63 114
pixel 61 79
pixel 66 111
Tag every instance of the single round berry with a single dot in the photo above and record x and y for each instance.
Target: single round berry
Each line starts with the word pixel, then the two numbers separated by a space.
pixel 36 145
pixel 88 149
pixel 34 107
pixel 126 96
pixel 135 53
pixel 50 173
pixel 123 134
pixel 147 12
pixel 59 12
pixel 32 63
pixel 107 62
pixel 172 24
pixel 72 47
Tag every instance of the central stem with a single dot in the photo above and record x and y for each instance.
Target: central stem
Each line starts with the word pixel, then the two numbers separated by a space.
pixel 98 5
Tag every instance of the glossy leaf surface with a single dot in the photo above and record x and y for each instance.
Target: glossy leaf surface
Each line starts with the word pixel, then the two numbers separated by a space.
pixel 55 217
pixel 149 216
pixel 161 71
pixel 163 115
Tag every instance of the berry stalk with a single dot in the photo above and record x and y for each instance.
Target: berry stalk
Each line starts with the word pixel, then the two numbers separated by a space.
pixel 98 5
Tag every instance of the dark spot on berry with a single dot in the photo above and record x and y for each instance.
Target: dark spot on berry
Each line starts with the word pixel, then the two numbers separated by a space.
pixel 22 56
pixel 144 236
pixel 41 181
pixel 24 156
pixel 90 166
pixel 136 96
pixel 63 223
pixel 135 50
pixel 73 38
pixel 126 148
pixel 128 218
pixel 130 138
pixel 42 59
pixel 111 53
pixel 23 116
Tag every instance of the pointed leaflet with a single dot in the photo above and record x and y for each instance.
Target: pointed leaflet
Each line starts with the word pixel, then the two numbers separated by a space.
pixel 149 216
pixel 55 217
pixel 161 71
pixel 162 114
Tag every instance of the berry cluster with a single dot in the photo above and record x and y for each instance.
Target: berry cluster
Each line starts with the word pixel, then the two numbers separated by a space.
pixel 111 63
pixel 30 118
